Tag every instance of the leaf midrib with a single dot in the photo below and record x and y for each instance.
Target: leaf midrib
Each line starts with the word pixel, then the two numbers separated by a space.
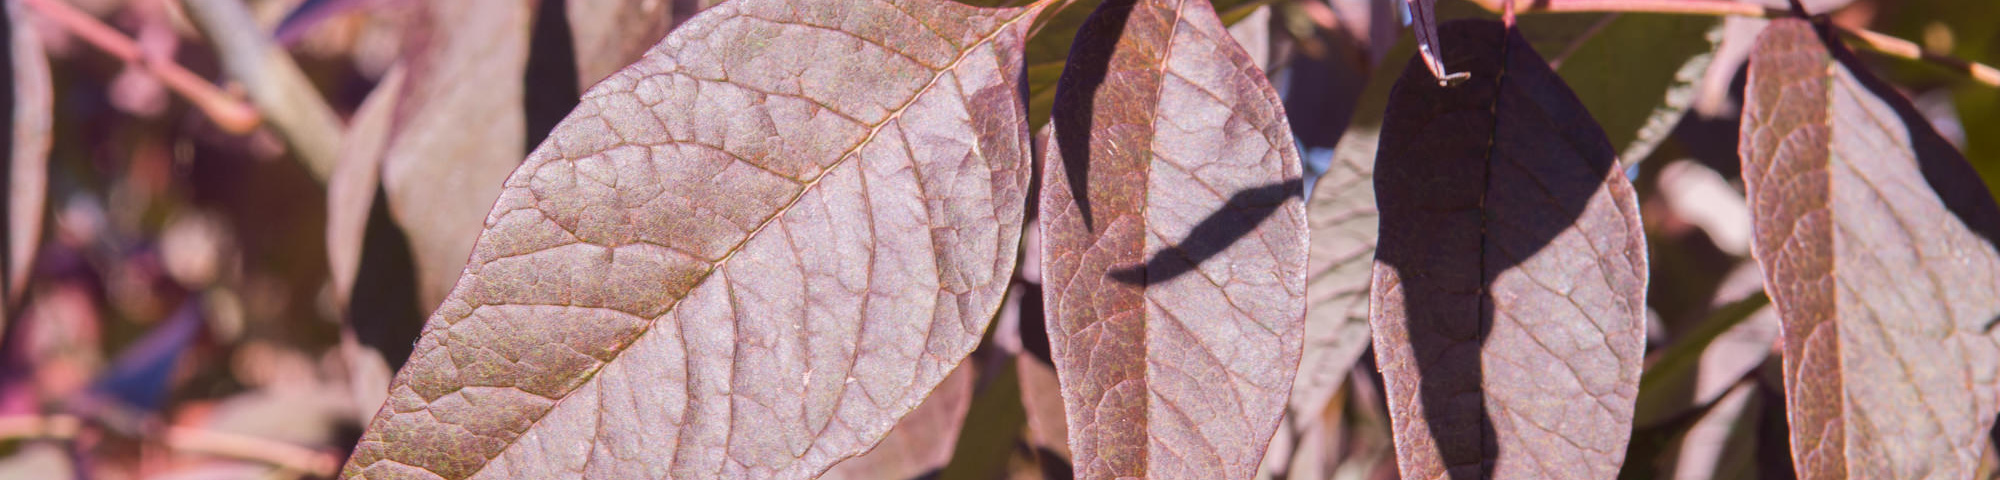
pixel 805 187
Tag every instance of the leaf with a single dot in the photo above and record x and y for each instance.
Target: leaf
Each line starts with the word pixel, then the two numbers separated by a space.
pixel 1636 73
pixel 1876 240
pixel 1705 360
pixel 452 146
pixel 1508 302
pixel 1342 217
pixel 26 174
pixel 1173 249
pixel 641 288
pixel 610 34
pixel 1055 32
pixel 374 274
pixel 923 441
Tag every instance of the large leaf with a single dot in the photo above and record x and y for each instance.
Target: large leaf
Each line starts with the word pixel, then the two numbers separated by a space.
pixel 1876 240
pixel 25 176
pixel 1174 249
pixel 746 255
pixel 1508 302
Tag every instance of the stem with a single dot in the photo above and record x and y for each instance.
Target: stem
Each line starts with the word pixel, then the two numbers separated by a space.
pixel 1683 7
pixel 295 109
pixel 1905 49
pixel 1872 41
pixel 284 455
pixel 39 427
pixel 232 115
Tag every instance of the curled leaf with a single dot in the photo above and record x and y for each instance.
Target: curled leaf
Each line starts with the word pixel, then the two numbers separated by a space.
pixel 746 255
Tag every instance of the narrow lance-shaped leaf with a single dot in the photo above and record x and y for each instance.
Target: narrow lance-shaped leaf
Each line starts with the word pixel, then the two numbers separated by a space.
pixel 1341 214
pixel 1876 240
pixel 746 255
pixel 1508 302
pixel 1174 246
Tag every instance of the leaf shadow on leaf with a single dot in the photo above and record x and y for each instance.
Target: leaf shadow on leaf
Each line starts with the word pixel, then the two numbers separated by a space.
pixel 383 308
pixel 1449 228
pixel 1238 217
pixel 1089 64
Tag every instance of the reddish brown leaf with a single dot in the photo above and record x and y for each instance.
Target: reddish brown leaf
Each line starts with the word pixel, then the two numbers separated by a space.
pixel 1174 246
pixel 746 255
pixel 922 442
pixel 1042 402
pixel 1508 302
pixel 452 146
pixel 612 33
pixel 1876 240
pixel 26 174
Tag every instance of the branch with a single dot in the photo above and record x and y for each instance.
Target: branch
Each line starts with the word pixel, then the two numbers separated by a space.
pixel 1905 49
pixel 284 455
pixel 276 85
pixel 39 427
pixel 1872 41
pixel 1683 7
pixel 232 115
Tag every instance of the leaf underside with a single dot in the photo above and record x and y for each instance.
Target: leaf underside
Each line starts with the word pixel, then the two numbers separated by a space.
pixel 1174 246
pixel 1876 240
pixel 1508 297
pixel 746 255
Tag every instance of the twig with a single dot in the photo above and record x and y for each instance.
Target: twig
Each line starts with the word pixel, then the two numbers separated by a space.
pixel 232 115
pixel 283 455
pixel 275 83
pixel 1684 7
pixel 1873 41
pixel 1905 49
pixel 38 426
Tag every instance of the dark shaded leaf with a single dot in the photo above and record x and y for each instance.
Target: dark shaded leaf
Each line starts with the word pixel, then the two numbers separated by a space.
pixel 746 255
pixel 25 176
pixel 1508 302
pixel 1637 73
pixel 1876 240
pixel 1174 246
